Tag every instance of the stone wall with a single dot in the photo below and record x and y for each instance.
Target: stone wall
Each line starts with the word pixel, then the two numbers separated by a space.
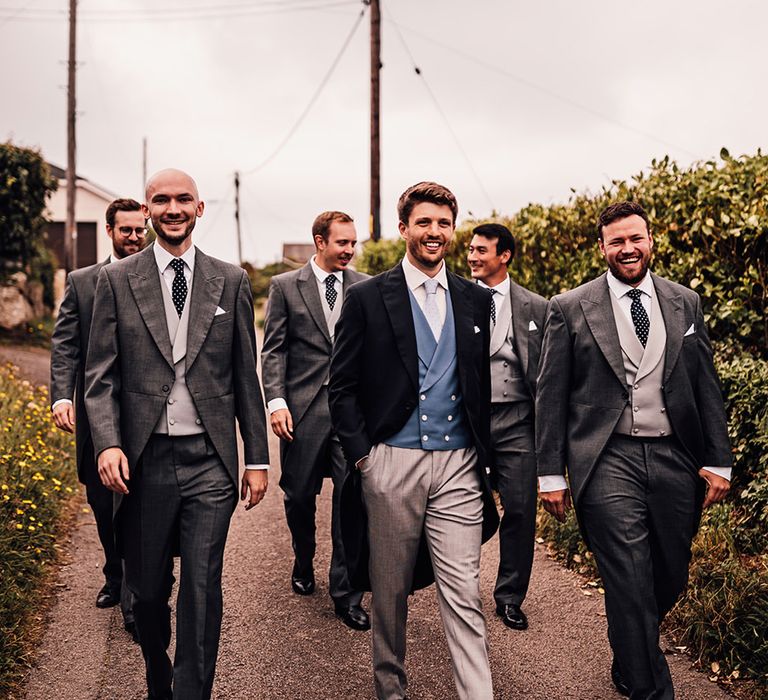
pixel 20 301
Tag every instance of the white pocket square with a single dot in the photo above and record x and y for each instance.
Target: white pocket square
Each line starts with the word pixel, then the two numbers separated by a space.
pixel 477 330
pixel 219 311
pixel 689 331
pixel 532 326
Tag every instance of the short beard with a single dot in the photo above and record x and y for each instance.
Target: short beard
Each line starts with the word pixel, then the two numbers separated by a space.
pixel 176 239
pixel 633 280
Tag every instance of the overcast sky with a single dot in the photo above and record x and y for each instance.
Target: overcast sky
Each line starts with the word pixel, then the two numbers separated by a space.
pixel 516 102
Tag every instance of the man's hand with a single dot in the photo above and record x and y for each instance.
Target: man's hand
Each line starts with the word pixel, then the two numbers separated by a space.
pixel 64 416
pixel 556 503
pixel 255 481
pixel 717 487
pixel 113 469
pixel 282 424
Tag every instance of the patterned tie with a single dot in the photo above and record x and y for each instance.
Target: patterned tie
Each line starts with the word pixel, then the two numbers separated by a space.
pixel 430 308
pixel 493 305
pixel 330 291
pixel 179 286
pixel 639 316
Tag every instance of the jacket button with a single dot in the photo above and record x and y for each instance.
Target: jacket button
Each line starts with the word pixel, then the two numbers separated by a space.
pixel 166 388
pixel 198 421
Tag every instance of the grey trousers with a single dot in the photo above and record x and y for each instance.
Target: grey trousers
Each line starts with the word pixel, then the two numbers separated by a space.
pixel 181 496
pixel 408 491
pixel 640 512
pixel 514 461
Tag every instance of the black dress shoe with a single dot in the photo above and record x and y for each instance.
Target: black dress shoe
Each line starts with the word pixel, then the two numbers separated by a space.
pixel 353 616
pixel 303 586
pixel 512 616
pixel 618 680
pixel 107 597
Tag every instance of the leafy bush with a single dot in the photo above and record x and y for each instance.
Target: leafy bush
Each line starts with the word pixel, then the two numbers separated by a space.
pixel 37 479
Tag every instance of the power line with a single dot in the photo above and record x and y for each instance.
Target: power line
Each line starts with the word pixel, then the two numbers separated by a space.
pixel 547 91
pixel 442 113
pixel 312 100
pixel 22 14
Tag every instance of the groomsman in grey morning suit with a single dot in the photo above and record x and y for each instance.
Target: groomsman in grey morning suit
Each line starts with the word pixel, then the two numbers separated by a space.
pixel 127 230
pixel 171 365
pixel 628 402
pixel 517 326
pixel 299 328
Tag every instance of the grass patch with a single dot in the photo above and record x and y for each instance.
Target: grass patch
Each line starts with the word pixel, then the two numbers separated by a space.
pixel 38 480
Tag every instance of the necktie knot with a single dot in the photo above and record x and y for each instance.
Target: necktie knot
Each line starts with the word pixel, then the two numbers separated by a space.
pixel 177 264
pixel 634 294
pixel 430 286
pixel 330 291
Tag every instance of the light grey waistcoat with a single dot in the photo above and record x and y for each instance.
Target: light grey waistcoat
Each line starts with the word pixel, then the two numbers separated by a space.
pixel 179 415
pixel 645 415
pixel 507 383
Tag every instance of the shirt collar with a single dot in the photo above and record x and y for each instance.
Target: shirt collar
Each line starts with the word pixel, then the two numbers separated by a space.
pixel 112 258
pixel 163 258
pixel 322 274
pixel 415 278
pixel 502 288
pixel 620 288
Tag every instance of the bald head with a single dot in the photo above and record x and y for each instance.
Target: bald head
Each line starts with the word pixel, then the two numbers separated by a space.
pixel 174 205
pixel 170 176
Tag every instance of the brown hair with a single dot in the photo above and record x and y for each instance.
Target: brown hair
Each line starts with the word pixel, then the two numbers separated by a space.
pixel 322 223
pixel 425 192
pixel 618 211
pixel 120 205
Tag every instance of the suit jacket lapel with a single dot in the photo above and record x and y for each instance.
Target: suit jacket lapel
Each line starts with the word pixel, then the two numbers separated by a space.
pixel 463 318
pixel 599 316
pixel 671 305
pixel 307 284
pixel 207 289
pixel 145 287
pixel 521 319
pixel 394 294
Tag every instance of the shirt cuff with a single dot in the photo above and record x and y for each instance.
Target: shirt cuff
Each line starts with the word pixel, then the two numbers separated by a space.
pixel 257 466
pixel 276 405
pixel 553 482
pixel 59 402
pixel 725 472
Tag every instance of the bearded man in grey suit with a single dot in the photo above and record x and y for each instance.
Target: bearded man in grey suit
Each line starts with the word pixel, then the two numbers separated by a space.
pixel 517 325
pixel 165 435
pixel 303 308
pixel 629 403
pixel 127 230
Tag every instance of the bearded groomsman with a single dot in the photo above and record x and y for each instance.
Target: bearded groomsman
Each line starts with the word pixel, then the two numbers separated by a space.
pixel 303 308
pixel 517 325
pixel 628 403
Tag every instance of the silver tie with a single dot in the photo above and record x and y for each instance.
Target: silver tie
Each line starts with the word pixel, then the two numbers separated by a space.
pixel 430 308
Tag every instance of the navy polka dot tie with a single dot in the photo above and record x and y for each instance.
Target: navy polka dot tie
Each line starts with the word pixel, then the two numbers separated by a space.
pixel 179 286
pixel 493 305
pixel 639 316
pixel 330 291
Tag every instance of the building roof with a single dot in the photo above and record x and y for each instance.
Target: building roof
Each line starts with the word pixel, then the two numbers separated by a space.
pixel 61 174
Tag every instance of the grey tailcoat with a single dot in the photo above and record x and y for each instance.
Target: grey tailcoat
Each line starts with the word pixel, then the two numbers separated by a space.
pixel 582 390
pixel 130 371
pixel 68 351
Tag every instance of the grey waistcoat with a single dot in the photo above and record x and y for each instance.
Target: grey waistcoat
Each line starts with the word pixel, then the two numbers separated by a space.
pixel 179 415
pixel 645 415
pixel 507 383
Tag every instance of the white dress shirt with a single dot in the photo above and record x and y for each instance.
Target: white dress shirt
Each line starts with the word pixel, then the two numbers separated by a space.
pixel 619 289
pixel 414 280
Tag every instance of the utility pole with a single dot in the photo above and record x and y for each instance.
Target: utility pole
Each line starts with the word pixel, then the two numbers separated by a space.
pixel 375 223
pixel 143 164
pixel 70 229
pixel 237 219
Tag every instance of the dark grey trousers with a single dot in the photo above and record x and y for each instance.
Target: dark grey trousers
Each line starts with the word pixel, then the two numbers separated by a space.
pixel 640 511
pixel 181 497
pixel 514 460
pixel 314 453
